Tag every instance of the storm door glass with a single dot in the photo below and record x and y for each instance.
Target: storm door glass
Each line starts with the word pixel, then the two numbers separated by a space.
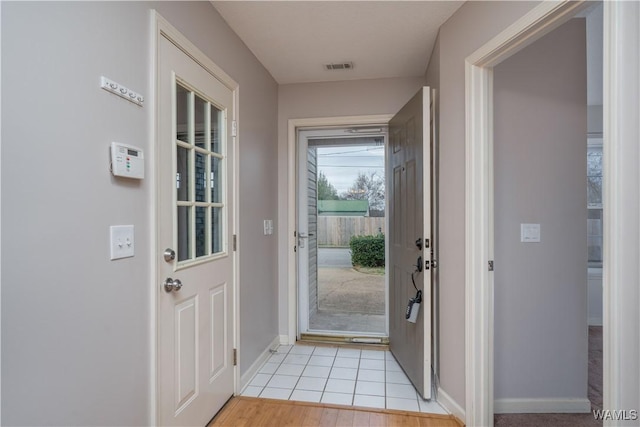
pixel 200 164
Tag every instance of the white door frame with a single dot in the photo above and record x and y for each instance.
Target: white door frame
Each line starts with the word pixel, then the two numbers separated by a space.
pixel 293 125
pixel 621 153
pixel 160 27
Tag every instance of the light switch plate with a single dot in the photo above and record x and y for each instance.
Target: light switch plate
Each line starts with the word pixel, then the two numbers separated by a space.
pixel 530 233
pixel 122 241
pixel 268 227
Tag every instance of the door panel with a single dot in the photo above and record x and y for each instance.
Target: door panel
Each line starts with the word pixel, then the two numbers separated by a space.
pixel 409 158
pixel 195 182
pixel 186 365
pixel 218 296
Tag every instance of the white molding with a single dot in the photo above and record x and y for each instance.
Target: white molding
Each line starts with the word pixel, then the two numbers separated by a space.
pixel 255 366
pixel 284 340
pixel 621 244
pixel 160 27
pixel 154 126
pixel 542 406
pixel 292 126
pixel 479 196
pixel 0 219
pixel 541 20
pixel 236 230
pixel 164 28
pixel 450 405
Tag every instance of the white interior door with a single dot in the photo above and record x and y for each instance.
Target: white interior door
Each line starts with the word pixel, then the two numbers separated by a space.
pixel 409 189
pixel 195 212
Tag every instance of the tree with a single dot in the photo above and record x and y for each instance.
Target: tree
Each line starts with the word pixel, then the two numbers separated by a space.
pixel 367 187
pixel 326 190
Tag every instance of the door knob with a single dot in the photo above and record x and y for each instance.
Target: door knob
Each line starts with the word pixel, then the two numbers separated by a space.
pixel 172 285
pixel 169 254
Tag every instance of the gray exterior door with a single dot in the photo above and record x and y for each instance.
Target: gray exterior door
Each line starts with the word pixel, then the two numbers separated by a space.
pixel 409 184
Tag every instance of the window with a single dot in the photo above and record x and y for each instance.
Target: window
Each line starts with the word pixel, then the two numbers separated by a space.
pixel 594 201
pixel 200 164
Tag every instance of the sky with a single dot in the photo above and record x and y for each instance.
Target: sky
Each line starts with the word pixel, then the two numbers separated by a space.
pixel 342 164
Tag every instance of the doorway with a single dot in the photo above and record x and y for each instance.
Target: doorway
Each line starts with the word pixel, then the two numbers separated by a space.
pixel 412 151
pixel 341 223
pixel 620 171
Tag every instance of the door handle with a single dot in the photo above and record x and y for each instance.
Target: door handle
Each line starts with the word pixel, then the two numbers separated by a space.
pixel 301 238
pixel 172 285
pixel 169 255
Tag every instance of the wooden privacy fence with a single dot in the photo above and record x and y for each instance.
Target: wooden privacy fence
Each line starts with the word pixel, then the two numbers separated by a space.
pixel 337 230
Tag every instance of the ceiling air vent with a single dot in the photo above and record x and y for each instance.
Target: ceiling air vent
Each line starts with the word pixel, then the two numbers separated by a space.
pixel 339 66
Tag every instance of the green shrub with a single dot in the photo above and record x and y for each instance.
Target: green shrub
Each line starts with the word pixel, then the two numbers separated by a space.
pixel 367 251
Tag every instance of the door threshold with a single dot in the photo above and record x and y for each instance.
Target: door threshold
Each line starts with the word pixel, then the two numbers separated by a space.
pixel 346 339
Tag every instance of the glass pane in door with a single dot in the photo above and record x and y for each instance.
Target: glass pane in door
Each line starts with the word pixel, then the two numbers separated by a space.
pixel 216 180
pixel 201 177
pixel 200 162
pixel 183 231
pixel 216 230
pixel 200 125
pixel 345 240
pixel 201 231
pixel 216 120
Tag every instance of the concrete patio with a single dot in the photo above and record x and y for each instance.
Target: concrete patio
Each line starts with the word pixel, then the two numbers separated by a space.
pixel 349 301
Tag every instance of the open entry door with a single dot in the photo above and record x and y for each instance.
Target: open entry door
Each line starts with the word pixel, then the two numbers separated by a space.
pixel 409 187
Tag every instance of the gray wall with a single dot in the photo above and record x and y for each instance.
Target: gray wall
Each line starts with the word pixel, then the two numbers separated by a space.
pixel 540 119
pixel 333 99
pixel 469 28
pixel 76 326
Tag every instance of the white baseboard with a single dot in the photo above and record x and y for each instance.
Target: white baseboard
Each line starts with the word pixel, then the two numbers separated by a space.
pixel 595 321
pixel 450 405
pixel 541 406
pixel 253 369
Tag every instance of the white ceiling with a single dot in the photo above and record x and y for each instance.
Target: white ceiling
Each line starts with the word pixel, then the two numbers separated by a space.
pixel 294 39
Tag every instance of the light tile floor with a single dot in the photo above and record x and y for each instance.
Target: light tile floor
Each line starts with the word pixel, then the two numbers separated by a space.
pixel 343 376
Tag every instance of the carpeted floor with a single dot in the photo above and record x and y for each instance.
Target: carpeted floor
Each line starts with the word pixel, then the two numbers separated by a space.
pixel 568 420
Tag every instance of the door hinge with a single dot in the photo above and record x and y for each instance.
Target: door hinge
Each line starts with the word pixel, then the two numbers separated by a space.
pixel 491 265
pixel 235 357
pixel 234 128
pixel 235 242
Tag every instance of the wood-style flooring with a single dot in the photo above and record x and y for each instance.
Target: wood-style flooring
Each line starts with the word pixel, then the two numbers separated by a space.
pixel 251 411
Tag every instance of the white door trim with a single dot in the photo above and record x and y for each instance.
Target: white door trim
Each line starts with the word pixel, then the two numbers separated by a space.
pixel 621 245
pixel 160 27
pixel 293 125
pixel 479 197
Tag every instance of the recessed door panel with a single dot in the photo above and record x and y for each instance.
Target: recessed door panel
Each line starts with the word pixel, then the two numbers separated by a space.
pixel 186 362
pixel 218 315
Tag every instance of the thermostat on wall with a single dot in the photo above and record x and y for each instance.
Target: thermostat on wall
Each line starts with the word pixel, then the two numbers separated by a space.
pixel 127 161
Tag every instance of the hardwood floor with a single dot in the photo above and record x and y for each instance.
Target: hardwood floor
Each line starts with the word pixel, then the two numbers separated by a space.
pixel 251 411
